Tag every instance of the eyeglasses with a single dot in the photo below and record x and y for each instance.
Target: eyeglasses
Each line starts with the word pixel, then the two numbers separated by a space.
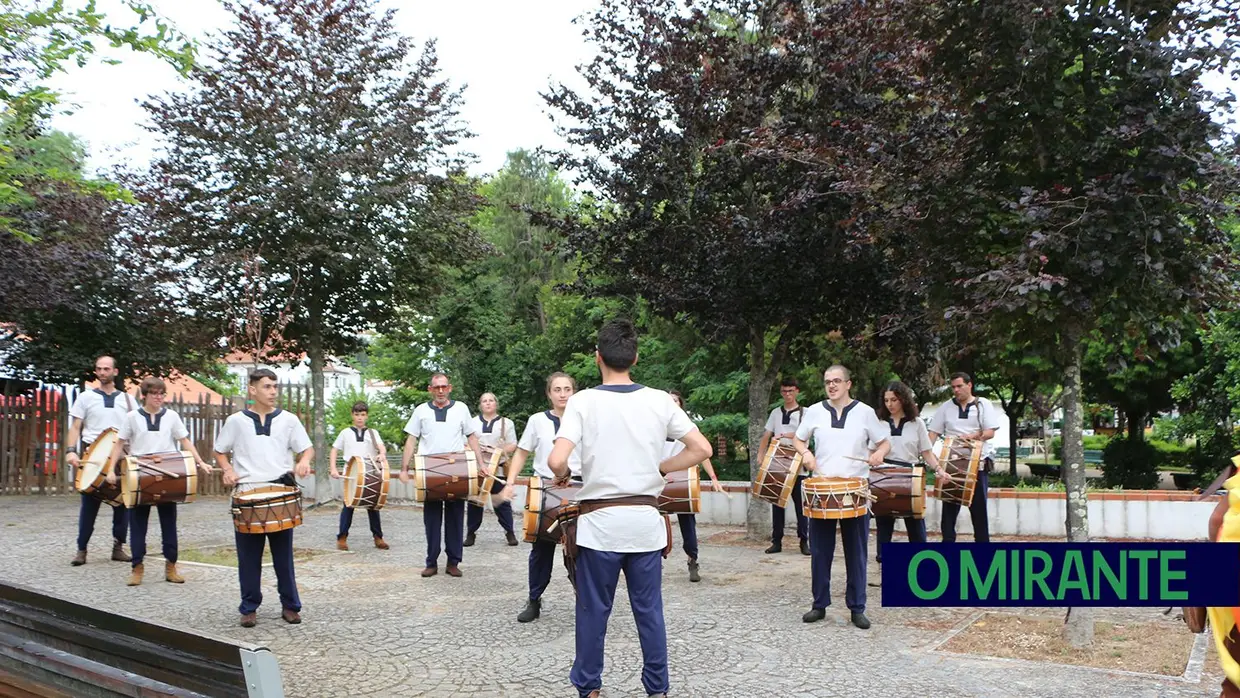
pixel 835 381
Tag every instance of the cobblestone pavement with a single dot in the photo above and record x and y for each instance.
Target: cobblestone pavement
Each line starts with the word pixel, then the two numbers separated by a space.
pixel 373 627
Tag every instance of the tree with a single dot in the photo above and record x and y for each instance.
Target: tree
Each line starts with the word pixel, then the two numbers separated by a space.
pixel 1136 378
pixel 1080 166
pixel 315 134
pixel 37 41
pixel 703 225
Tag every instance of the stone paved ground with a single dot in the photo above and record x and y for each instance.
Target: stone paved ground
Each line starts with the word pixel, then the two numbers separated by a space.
pixel 373 627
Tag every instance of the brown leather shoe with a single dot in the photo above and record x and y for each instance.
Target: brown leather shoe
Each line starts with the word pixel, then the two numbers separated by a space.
pixel 79 559
pixel 342 543
pixel 118 552
pixel 291 617
pixel 135 575
pixel 430 571
pixel 249 620
pixel 454 571
pixel 171 575
pixel 380 544
pixel 593 694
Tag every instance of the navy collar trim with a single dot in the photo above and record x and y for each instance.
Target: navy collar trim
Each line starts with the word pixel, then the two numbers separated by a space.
pixel 441 413
pixel 898 429
pixel 962 411
pixel 488 427
pixel 109 399
pixel 262 427
pixel 787 414
pixel 153 424
pixel 837 421
pixel 629 388
pixel 359 434
pixel 555 421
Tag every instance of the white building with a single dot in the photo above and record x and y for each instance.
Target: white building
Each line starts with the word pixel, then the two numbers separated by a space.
pixel 338 378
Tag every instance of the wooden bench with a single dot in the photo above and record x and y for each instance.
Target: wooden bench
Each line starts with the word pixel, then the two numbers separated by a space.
pixel 54 648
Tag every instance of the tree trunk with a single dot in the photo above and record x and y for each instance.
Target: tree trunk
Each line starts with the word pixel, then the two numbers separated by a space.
pixel 318 411
pixel 1079 623
pixel 761 377
pixel 1012 439
pixel 1136 424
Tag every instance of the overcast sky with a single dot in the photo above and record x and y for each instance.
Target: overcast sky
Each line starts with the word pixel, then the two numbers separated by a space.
pixel 504 51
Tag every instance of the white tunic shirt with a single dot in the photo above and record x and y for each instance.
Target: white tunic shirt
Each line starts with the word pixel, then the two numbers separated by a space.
pixel 784 421
pixel 262 448
pixel 354 442
pixel 909 439
pixel 950 419
pixel 99 411
pixel 621 431
pixel 157 433
pixel 539 439
pixel 496 434
pixel 842 441
pixel 440 429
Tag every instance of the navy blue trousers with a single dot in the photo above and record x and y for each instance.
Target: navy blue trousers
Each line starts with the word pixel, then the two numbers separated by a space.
pixel 887 525
pixel 855 533
pixel 977 512
pixel 89 511
pixel 140 517
pixel 777 515
pixel 688 532
pixel 598 572
pixel 446 518
pixel 250 569
pixel 542 563
pixel 503 512
pixel 346 522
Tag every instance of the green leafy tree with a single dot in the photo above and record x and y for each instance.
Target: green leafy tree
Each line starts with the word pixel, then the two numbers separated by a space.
pixel 319 142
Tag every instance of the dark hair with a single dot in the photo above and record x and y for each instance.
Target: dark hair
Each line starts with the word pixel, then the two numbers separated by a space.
pixel 680 400
pixel 617 344
pixel 904 394
pixel 152 383
pixel 560 374
pixel 361 406
pixel 789 382
pixel 963 376
pixel 261 373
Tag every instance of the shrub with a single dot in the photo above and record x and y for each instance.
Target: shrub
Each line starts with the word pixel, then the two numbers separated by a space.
pixel 1130 464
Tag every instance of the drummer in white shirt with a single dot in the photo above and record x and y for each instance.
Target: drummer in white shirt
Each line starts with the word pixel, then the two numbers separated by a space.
pixel 495 433
pixel 153 428
pixel 92 413
pixel 538 439
pixel 262 441
pixel 844 430
pixel 620 428
pixel 974 419
pixel 358 441
pixel 442 425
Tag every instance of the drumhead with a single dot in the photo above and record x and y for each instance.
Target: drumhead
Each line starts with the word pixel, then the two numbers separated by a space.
pixel 88 471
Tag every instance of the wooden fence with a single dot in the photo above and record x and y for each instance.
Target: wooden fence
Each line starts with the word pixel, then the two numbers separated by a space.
pixel 33 426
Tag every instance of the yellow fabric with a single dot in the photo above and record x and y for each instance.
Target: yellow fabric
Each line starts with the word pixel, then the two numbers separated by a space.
pixel 1223 620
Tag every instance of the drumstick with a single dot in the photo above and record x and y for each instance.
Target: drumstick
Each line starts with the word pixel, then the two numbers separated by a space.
pixel 156 468
pixel 889 462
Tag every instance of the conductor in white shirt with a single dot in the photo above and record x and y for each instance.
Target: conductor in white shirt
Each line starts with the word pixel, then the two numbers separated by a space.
pixel 620 428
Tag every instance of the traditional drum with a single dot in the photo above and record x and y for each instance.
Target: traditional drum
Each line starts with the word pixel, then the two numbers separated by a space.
pixel 683 492
pixel 494 458
pixel 778 474
pixel 835 497
pixel 266 508
pixel 543 503
pixel 159 478
pixel 960 459
pixel 898 490
pixel 366 482
pixel 446 476
pixel 93 468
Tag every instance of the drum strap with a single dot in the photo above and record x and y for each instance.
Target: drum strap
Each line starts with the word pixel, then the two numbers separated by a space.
pixel 569 533
pixel 374 442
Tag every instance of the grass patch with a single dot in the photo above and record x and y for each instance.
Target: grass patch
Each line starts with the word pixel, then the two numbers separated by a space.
pixel 226 555
pixel 1141 647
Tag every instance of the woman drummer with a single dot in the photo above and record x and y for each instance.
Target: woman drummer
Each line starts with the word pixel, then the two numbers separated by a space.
pixel 688 522
pixel 910 443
